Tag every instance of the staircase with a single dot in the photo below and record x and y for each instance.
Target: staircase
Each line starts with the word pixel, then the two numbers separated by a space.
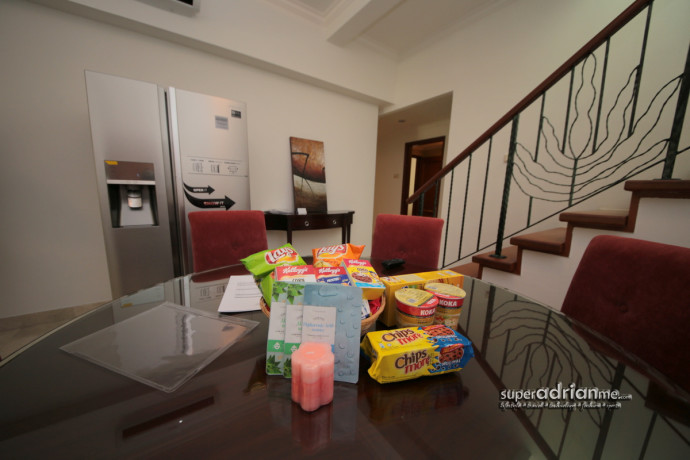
pixel 606 123
pixel 559 242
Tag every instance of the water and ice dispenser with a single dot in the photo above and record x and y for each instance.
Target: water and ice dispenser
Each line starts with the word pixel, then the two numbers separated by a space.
pixel 131 193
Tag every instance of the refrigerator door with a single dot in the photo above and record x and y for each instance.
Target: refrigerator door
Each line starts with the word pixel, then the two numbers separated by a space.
pixel 129 151
pixel 210 158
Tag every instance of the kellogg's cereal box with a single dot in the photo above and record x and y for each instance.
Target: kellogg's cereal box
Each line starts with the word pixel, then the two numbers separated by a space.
pixel 296 273
pixel 363 275
pixel 412 352
pixel 332 275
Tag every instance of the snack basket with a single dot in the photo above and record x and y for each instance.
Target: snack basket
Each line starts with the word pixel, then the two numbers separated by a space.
pixel 366 323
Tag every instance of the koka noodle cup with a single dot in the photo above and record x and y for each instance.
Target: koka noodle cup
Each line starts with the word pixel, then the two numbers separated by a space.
pixel 415 307
pixel 450 301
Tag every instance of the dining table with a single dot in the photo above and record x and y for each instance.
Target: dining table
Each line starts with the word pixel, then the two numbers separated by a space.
pixel 540 385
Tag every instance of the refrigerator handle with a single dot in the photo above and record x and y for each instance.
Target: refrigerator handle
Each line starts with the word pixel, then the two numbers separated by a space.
pixel 178 224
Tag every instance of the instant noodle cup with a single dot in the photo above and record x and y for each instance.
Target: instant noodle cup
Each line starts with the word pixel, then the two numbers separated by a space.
pixel 415 307
pixel 450 301
pixel 333 256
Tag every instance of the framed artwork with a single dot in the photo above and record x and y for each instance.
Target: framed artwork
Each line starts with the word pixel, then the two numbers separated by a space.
pixel 308 174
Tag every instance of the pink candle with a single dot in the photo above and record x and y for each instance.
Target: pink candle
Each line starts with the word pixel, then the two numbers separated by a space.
pixel 312 375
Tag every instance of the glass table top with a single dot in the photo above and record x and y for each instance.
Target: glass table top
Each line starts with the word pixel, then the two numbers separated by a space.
pixel 535 389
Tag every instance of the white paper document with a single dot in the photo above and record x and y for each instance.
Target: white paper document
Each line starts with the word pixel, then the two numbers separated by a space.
pixel 242 294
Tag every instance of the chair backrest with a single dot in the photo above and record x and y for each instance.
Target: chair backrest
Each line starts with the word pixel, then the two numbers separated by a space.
pixel 637 293
pixel 222 238
pixel 413 238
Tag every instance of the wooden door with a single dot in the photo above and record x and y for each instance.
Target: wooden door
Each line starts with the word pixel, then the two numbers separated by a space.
pixel 423 159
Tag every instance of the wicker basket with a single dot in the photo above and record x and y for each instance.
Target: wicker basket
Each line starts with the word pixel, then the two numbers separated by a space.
pixel 366 323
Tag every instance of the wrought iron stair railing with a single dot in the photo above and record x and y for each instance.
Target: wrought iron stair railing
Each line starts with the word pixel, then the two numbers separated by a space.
pixel 601 118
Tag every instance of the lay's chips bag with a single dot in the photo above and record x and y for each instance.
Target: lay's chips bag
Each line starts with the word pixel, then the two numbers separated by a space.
pixel 333 256
pixel 262 263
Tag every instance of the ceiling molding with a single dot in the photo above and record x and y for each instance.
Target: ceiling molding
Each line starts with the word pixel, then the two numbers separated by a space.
pixel 320 12
pixel 394 28
pixel 358 18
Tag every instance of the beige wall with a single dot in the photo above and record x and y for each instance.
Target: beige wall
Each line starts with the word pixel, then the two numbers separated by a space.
pixel 52 246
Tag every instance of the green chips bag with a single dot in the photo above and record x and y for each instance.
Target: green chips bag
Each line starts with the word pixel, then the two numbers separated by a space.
pixel 262 263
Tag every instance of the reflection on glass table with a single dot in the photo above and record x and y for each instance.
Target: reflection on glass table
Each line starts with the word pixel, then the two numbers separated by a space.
pixel 525 346
pixel 56 404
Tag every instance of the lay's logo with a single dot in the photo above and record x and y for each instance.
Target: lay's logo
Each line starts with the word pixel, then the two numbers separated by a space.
pixel 281 256
pixel 332 250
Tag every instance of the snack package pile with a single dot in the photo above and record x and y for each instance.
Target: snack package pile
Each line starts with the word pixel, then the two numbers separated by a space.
pixel 412 352
pixel 333 256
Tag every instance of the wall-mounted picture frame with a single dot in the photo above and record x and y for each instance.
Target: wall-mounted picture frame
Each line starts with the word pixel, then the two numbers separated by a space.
pixel 308 174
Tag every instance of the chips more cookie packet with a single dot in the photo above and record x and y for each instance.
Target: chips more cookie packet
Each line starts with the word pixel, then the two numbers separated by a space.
pixel 412 352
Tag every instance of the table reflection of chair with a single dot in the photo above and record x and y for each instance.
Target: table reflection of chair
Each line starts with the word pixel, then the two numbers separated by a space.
pixel 415 239
pixel 637 293
pixel 221 238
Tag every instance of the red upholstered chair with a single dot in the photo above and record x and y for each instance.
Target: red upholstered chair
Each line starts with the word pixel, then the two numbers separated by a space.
pixel 413 238
pixel 637 293
pixel 222 238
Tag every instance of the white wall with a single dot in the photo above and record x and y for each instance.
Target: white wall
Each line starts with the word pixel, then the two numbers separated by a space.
pixel 52 246
pixel 259 33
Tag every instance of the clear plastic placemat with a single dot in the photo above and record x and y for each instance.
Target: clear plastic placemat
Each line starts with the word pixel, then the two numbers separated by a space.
pixel 162 347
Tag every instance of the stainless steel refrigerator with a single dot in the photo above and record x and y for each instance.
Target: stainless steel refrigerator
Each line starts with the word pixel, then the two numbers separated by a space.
pixel 161 153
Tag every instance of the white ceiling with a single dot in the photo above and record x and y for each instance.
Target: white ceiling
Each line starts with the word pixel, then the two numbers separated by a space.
pixel 396 27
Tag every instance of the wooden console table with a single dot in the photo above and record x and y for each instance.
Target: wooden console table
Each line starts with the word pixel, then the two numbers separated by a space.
pixel 289 222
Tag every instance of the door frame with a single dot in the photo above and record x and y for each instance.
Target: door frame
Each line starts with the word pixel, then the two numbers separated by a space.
pixel 409 146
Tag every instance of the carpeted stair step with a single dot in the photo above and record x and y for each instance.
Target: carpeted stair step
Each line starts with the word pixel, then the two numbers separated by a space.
pixel 553 241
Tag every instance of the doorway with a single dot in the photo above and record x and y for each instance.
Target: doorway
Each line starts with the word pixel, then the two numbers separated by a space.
pixel 423 159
